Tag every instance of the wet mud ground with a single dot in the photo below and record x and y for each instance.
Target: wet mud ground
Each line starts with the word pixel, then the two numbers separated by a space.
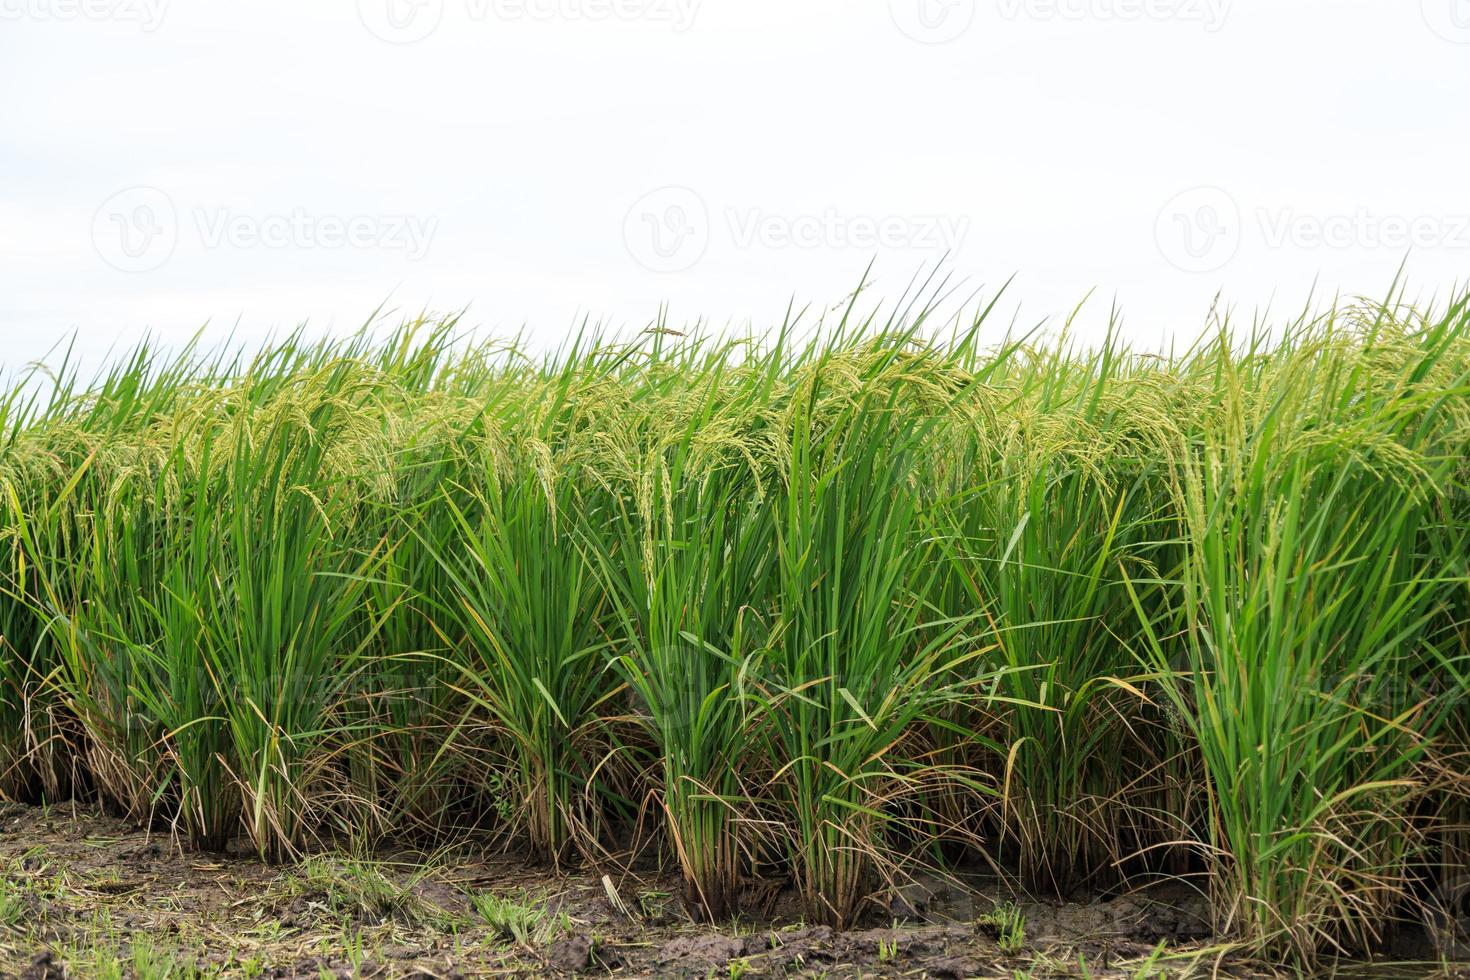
pixel 86 895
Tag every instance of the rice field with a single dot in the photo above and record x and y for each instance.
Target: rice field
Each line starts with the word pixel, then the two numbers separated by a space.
pixel 800 613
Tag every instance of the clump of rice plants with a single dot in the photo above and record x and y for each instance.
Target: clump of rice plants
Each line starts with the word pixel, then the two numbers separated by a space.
pixel 523 612
pixel 858 656
pixel 809 612
pixel 684 552
pixel 1306 600
pixel 1052 508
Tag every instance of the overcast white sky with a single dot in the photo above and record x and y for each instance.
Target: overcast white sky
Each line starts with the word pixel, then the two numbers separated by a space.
pixel 171 162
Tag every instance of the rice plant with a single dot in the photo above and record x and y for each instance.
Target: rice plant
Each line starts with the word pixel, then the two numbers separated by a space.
pixel 525 614
pixel 685 552
pixel 812 610
pixel 1307 597
pixel 858 657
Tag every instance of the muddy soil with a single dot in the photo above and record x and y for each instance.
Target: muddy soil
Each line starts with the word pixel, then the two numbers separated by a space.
pixel 86 895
